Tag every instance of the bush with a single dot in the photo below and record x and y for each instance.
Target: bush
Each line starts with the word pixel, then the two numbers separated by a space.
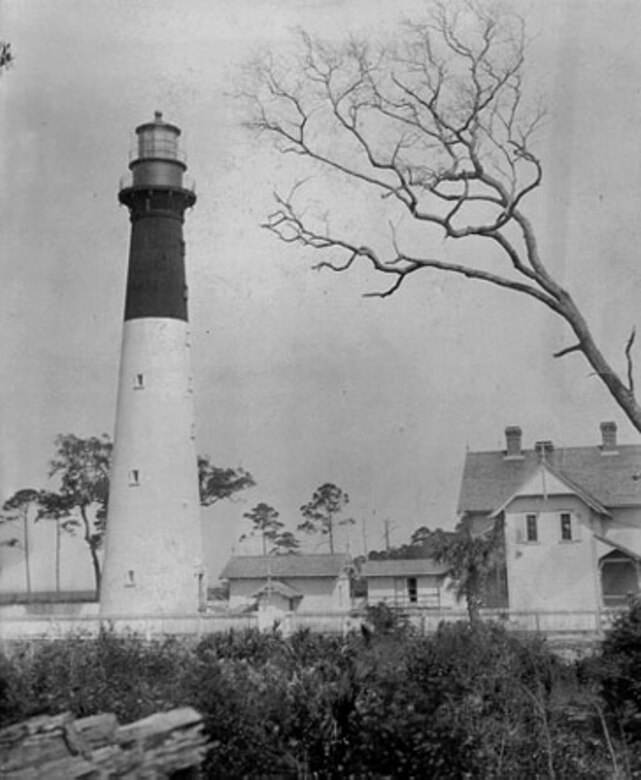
pixel 617 669
pixel 383 703
pixel 382 619
pixel 501 696
pixel 111 673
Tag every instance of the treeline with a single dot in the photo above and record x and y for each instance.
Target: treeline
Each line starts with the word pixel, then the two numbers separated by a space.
pixel 465 702
pixel 77 501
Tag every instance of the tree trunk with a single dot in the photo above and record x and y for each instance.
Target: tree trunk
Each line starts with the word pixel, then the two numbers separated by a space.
pixel 27 552
pixel 473 600
pixel 473 610
pixel 57 555
pixel 95 561
pixel 622 394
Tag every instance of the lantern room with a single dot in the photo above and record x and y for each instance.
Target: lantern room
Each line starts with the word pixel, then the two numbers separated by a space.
pixel 158 161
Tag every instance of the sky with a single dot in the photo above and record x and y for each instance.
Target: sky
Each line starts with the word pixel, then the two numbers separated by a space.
pixel 298 377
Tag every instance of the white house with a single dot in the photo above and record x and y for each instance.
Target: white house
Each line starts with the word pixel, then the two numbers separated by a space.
pixel 571 518
pixel 304 583
pixel 408 583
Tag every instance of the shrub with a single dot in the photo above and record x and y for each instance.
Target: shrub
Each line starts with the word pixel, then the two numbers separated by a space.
pixel 617 669
pixel 385 703
pixel 383 619
pixel 111 673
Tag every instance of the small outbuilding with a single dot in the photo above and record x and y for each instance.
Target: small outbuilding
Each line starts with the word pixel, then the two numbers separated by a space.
pixel 407 583
pixel 289 583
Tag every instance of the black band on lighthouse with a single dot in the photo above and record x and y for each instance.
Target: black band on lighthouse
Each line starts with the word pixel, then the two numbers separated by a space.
pixel 156 284
pixel 157 199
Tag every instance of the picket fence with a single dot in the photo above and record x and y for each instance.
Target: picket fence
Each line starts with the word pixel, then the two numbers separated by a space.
pixel 553 624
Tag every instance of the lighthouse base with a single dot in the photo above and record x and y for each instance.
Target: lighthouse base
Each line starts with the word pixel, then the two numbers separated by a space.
pixel 153 549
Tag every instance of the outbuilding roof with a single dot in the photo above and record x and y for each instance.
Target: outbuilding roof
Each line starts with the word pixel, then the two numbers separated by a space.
pixel 404 567
pixel 276 586
pixel 251 567
pixel 490 478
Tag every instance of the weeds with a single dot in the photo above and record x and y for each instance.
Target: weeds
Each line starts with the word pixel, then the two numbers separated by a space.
pixel 381 703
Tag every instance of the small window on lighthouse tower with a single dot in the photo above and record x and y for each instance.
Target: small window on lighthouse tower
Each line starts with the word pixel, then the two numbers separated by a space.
pixel 130 582
pixel 134 477
pixel 139 381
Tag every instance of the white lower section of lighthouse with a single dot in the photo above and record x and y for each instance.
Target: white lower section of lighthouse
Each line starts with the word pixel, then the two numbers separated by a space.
pixel 153 549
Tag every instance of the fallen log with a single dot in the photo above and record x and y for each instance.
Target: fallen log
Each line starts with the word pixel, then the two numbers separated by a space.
pixel 60 748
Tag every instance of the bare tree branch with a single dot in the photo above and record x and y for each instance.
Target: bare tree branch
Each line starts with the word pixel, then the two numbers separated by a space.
pixel 628 356
pixel 439 125
pixel 568 350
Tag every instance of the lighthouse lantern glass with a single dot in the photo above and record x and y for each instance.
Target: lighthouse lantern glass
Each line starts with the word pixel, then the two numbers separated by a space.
pixel 158 142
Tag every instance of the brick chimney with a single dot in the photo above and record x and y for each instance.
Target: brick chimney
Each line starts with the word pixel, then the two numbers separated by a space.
pixel 544 450
pixel 513 442
pixel 608 436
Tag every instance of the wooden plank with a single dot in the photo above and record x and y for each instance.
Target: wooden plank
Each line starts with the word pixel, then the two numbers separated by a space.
pixel 97 730
pixel 93 748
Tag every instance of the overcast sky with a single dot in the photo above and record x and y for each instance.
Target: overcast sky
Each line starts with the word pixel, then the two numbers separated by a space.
pixel 298 378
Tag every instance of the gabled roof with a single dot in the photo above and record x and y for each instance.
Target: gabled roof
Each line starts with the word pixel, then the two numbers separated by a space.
pixel 489 478
pixel 278 587
pixel 403 567
pixel 617 546
pixel 251 567
pixel 532 486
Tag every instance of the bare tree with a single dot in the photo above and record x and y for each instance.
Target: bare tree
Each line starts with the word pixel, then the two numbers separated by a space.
pixel 438 124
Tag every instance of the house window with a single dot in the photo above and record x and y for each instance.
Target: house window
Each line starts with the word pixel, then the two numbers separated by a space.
pixel 134 477
pixel 566 527
pixel 412 590
pixel 531 530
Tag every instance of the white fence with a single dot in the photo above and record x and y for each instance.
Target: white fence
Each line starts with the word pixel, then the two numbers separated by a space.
pixel 149 626
pixel 557 624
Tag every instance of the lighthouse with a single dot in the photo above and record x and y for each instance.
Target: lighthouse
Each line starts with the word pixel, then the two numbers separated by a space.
pixel 153 545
